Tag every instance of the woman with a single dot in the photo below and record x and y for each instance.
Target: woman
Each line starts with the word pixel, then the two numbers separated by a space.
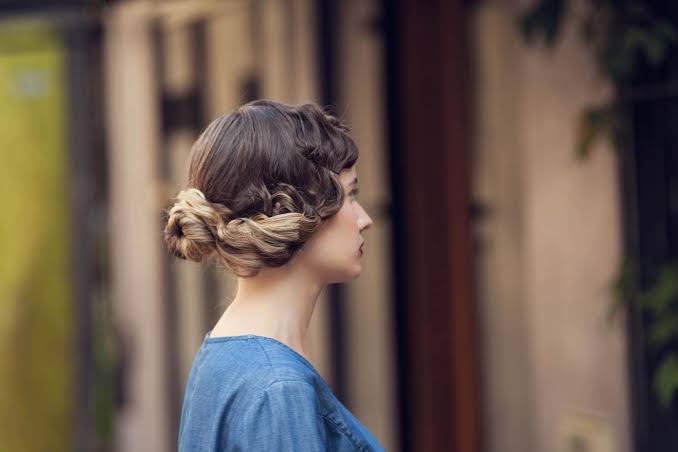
pixel 272 197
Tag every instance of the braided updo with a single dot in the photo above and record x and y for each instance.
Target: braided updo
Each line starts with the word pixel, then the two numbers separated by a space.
pixel 261 180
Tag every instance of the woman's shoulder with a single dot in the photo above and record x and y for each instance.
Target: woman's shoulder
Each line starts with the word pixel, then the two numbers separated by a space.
pixel 229 374
pixel 250 364
pixel 253 383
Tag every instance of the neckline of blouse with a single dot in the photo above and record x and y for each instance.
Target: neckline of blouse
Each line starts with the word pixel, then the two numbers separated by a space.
pixel 209 340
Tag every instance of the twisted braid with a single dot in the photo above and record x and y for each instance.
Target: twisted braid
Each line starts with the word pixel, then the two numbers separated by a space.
pixel 197 229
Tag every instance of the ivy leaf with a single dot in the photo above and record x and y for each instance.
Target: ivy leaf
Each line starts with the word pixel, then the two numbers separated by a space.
pixel 624 287
pixel 654 48
pixel 659 298
pixel 545 17
pixel 664 329
pixel 666 380
pixel 618 57
pixel 666 30
pixel 594 122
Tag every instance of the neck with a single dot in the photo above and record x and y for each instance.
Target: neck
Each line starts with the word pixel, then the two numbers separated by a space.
pixel 278 303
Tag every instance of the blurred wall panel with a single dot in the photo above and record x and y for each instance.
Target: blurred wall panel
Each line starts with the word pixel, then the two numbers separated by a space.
pixel 572 251
pixel 133 127
pixel 36 315
pixel 499 232
pixel 230 58
pixel 555 372
pixel 370 352
pixel 276 52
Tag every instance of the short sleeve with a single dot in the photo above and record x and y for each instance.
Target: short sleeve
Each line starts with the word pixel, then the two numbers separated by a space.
pixel 285 417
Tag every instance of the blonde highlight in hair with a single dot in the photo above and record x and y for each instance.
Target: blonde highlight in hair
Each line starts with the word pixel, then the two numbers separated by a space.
pixel 261 180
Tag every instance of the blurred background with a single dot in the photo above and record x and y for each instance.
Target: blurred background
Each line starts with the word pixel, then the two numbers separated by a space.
pixel 519 160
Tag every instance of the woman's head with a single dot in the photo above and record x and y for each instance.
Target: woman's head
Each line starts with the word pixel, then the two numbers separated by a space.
pixel 262 182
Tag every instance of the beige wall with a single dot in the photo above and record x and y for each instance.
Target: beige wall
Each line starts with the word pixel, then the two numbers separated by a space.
pixel 371 383
pixel 553 369
pixel 497 162
pixel 133 137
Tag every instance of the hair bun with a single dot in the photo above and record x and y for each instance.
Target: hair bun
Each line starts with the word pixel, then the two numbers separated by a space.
pixel 190 222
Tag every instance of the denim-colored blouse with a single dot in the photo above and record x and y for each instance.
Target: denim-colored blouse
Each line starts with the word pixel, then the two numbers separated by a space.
pixel 254 393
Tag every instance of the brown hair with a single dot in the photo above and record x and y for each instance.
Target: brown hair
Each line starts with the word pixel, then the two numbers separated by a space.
pixel 261 179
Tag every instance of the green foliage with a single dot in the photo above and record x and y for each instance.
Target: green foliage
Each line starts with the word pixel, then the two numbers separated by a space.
pixel 544 18
pixel 598 121
pixel 621 54
pixel 105 359
pixel 660 302
pixel 622 34
pixel 625 36
pixel 666 380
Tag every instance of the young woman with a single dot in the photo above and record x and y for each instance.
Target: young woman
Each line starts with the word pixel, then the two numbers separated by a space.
pixel 272 197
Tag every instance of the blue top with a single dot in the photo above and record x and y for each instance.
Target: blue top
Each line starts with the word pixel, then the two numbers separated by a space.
pixel 254 393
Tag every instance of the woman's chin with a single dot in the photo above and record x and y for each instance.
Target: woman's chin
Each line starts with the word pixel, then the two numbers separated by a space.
pixel 349 275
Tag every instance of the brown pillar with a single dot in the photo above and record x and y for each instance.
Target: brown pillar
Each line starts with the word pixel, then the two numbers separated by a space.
pixel 428 109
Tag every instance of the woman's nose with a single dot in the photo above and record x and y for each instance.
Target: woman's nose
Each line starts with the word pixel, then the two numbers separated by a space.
pixel 366 222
